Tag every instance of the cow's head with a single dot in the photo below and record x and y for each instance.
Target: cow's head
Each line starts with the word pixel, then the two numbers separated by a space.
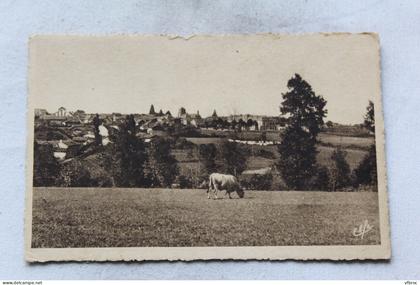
pixel 240 192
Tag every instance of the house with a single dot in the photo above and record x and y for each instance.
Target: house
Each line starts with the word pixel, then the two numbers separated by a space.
pixel 256 119
pixel 40 112
pixel 54 120
pixel 89 135
pixel 88 118
pixel 190 119
pixel 58 118
pixel 77 117
pixel 65 150
pixel 106 118
pixel 272 123
pixel 104 133
pixel 262 123
pixel 157 131
pixel 117 117
pixel 195 119
pixel 62 112
pixel 73 121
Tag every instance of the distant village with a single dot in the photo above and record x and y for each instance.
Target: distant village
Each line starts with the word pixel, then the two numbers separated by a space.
pixel 160 149
pixel 69 131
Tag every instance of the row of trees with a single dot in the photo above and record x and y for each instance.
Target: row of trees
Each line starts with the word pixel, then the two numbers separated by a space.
pixel 229 158
pixel 220 123
pixel 130 162
pixel 339 174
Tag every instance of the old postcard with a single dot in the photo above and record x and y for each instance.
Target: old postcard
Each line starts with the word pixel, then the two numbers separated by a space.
pixel 205 147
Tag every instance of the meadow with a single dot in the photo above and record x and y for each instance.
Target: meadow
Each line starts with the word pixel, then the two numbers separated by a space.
pixel 351 142
pixel 355 147
pixel 133 217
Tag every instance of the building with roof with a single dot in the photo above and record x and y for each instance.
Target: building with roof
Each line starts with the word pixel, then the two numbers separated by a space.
pixel 193 119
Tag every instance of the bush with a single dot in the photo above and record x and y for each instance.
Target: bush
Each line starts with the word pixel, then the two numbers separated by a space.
pixel 184 181
pixel 321 179
pixel 161 168
pixel 366 171
pixel 340 172
pixel 258 182
pixel 50 134
pixel 104 180
pixel 207 154
pixel 75 174
pixel 232 157
pixel 329 124
pixel 333 178
pixel 185 131
pixel 46 167
pixel 263 136
pixel 265 153
pixel 182 143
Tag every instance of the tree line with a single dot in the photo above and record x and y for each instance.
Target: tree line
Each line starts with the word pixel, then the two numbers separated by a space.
pixel 221 123
pixel 130 162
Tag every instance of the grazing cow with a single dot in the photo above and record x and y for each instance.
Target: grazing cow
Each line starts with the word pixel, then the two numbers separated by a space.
pixel 229 183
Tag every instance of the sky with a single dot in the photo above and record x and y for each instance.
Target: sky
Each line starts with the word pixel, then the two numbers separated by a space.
pixel 232 74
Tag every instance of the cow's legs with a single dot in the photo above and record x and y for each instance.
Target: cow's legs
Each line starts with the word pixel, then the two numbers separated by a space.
pixel 215 190
pixel 229 195
pixel 209 189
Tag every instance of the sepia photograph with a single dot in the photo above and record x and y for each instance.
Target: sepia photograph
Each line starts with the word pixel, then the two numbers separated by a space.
pixel 205 147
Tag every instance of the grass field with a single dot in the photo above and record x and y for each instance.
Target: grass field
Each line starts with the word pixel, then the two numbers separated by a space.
pixel 104 217
pixel 353 156
pixel 355 147
pixel 346 141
